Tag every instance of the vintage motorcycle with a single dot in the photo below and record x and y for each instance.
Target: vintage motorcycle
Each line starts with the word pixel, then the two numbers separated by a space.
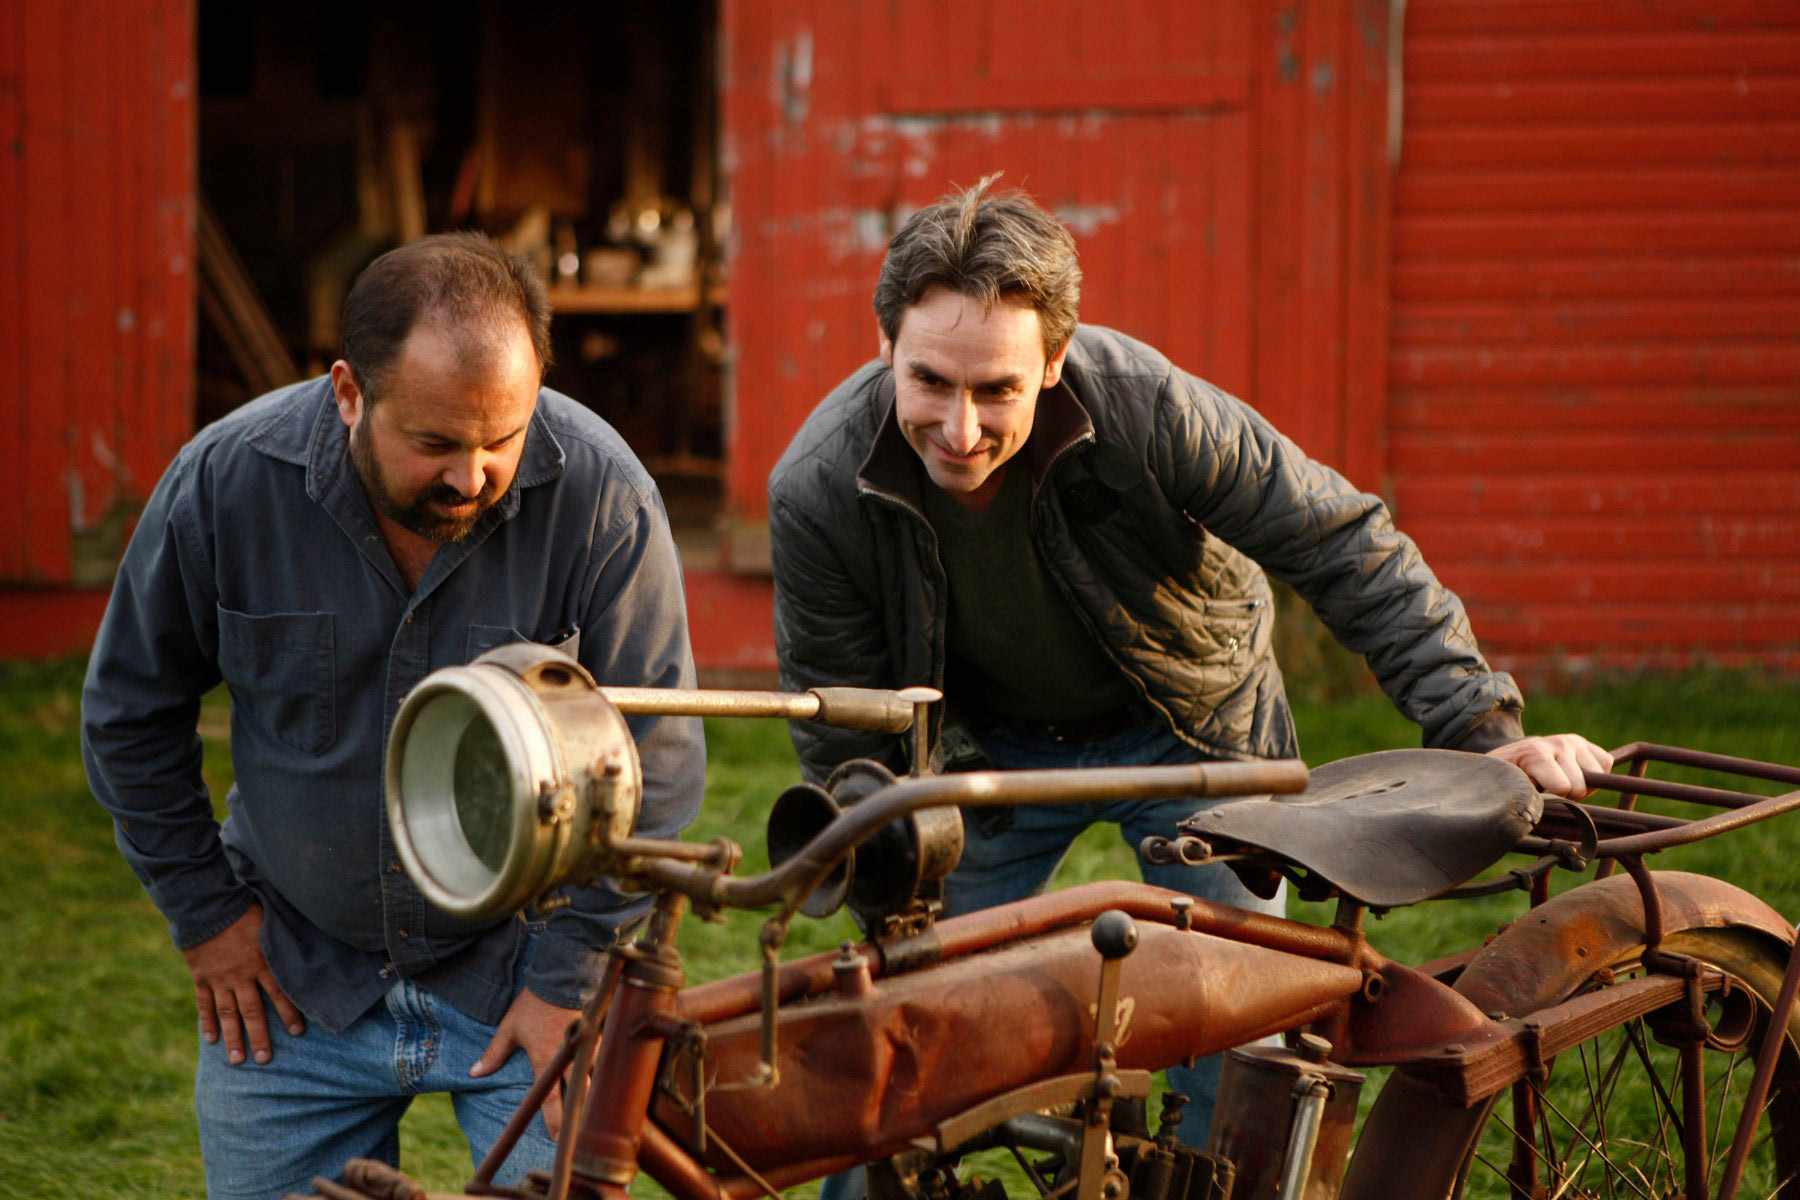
pixel 1035 1027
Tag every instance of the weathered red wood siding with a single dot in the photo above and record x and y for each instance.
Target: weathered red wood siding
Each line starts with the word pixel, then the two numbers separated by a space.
pixel 1222 165
pixel 96 294
pixel 1594 404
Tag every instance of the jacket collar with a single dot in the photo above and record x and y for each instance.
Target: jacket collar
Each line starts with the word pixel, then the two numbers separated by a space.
pixel 892 467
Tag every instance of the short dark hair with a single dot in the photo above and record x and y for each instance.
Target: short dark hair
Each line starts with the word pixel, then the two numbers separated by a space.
pixel 464 277
pixel 989 246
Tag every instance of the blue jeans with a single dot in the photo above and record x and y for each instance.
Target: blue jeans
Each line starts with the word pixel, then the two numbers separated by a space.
pixel 1001 865
pixel 324 1098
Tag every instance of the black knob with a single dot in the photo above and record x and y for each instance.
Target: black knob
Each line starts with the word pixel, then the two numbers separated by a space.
pixel 1115 934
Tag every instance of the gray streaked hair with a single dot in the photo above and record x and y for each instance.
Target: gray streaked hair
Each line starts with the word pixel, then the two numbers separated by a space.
pixel 989 246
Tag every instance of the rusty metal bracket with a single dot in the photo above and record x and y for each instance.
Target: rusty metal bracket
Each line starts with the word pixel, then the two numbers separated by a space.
pixel 686 1037
pixel 1652 900
pixel 1471 1070
pixel 1531 1043
pixel 1033 1097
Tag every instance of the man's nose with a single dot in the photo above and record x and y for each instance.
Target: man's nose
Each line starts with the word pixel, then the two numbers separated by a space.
pixel 962 426
pixel 466 474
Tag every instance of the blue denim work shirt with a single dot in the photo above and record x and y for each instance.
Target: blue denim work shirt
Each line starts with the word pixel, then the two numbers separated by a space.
pixel 257 560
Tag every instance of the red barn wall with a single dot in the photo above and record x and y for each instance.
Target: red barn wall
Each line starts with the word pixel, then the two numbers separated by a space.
pixel 96 294
pixel 1593 409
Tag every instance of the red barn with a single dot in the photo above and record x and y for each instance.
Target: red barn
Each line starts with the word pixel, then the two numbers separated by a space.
pixel 1530 269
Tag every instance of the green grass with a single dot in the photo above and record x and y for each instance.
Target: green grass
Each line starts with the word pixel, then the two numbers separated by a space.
pixel 96 1016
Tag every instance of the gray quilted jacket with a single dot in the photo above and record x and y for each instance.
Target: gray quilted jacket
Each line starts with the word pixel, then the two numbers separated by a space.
pixel 1155 498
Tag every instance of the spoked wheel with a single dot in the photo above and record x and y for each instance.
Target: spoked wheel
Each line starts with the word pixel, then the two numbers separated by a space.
pixel 1611 1119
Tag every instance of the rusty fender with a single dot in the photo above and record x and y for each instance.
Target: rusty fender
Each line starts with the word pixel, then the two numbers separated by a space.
pixel 866 1075
pixel 1427 1117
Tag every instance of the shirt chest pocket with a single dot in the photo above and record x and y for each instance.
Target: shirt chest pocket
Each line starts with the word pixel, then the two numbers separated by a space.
pixel 483 638
pixel 280 670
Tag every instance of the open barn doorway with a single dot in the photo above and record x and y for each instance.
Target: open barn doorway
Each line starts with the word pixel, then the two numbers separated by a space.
pixel 583 136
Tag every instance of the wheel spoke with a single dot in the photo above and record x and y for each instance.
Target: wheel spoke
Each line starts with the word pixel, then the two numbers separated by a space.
pixel 1666 1110
pixel 1718 1121
pixel 1594 1148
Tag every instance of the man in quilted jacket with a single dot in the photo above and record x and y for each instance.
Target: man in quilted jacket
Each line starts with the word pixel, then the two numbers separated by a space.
pixel 1070 535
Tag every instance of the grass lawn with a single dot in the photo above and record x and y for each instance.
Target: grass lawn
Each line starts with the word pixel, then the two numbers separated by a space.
pixel 96 1015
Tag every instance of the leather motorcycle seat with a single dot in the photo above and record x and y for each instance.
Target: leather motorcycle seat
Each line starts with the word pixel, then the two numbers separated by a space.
pixel 1390 828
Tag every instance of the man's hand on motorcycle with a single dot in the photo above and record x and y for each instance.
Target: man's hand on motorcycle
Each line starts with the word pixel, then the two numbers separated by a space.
pixel 230 977
pixel 537 1027
pixel 1555 762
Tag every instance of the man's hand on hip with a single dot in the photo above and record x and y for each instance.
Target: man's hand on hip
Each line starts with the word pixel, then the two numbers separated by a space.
pixel 1555 763
pixel 230 977
pixel 537 1027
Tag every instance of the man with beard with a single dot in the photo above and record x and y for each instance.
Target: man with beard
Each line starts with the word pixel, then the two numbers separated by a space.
pixel 320 551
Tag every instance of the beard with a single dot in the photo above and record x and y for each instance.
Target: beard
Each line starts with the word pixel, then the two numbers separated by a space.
pixel 419 513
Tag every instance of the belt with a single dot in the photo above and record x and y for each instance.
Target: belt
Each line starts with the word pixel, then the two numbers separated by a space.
pixel 1101 725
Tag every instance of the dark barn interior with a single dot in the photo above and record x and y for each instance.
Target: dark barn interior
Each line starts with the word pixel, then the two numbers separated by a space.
pixel 588 142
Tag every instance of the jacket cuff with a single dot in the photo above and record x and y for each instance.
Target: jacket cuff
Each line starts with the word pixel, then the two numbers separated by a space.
pixel 563 971
pixel 1495 728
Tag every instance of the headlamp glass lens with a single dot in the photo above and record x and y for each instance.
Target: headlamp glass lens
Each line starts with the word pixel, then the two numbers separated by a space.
pixel 483 791
pixel 458 794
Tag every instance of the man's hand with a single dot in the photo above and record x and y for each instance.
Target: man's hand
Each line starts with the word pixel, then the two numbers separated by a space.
pixel 537 1027
pixel 228 970
pixel 1555 763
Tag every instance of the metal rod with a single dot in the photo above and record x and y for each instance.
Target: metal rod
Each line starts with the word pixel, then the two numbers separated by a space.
pixel 1627 802
pixel 522 1116
pixel 708 702
pixel 978 789
pixel 1681 756
pixel 1695 831
pixel 876 709
pixel 1304 1137
pixel 1766 1056
pixel 1522 1171
pixel 1692 793
pixel 1693 1116
pixel 576 1095
pixel 1651 898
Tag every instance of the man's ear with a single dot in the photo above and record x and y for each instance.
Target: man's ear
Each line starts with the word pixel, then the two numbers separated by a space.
pixel 350 399
pixel 1053 368
pixel 886 343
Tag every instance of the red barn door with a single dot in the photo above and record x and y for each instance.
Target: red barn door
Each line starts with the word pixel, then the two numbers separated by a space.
pixel 1222 166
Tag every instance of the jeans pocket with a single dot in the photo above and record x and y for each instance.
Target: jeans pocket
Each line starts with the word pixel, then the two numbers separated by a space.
pixel 281 673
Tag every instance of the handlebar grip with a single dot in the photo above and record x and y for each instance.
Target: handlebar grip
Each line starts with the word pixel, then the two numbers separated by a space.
pixel 875 709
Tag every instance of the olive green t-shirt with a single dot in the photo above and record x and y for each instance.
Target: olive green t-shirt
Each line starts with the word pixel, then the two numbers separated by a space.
pixel 1017 648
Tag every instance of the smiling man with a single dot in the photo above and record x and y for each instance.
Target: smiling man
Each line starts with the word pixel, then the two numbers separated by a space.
pixel 320 551
pixel 1069 534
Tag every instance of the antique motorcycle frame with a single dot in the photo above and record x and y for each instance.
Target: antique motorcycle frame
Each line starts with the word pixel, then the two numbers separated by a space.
pixel 745 1086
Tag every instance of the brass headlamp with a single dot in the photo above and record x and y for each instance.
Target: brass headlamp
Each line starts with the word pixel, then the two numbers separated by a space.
pixel 516 774
pixel 508 777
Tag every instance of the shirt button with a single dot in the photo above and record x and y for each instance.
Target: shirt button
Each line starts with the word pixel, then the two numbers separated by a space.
pixel 404 934
pixel 409 618
pixel 394 866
